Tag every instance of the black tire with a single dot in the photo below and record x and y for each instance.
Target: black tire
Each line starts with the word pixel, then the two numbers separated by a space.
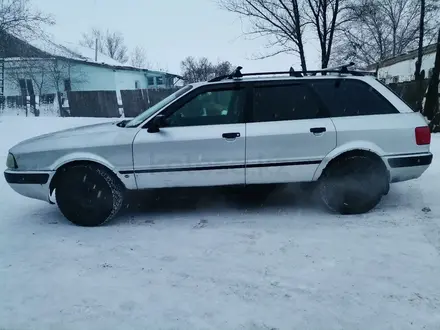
pixel 353 185
pixel 88 195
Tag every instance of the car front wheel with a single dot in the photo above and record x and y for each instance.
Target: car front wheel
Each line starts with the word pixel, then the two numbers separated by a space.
pixel 88 195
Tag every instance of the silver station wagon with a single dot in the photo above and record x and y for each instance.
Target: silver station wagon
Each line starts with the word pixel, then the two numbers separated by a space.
pixel 344 130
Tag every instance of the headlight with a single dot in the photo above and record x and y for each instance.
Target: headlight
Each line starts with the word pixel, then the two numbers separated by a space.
pixel 10 161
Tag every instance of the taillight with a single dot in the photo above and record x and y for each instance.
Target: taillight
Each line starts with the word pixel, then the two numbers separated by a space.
pixel 423 135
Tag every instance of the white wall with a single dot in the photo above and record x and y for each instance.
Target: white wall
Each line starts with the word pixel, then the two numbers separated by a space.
pixel 126 79
pixel 84 77
pixel 40 71
pixel 11 87
pixel 405 69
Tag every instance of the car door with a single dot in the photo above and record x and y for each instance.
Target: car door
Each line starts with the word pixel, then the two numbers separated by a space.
pixel 289 133
pixel 201 143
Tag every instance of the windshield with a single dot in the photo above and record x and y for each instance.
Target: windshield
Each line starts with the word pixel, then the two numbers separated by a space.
pixel 150 111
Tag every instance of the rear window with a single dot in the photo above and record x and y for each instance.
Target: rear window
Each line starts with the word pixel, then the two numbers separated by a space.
pixel 349 97
pixel 412 107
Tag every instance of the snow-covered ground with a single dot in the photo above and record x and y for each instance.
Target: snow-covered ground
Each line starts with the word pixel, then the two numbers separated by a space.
pixel 287 265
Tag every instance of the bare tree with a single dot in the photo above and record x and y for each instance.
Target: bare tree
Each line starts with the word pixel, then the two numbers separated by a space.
pixel 196 70
pixel 61 69
pixel 21 71
pixel 380 29
pixel 46 75
pixel 431 110
pixel 115 47
pixel 325 18
pixel 89 39
pixel 138 57
pixel 110 43
pixel 279 20
pixel 19 18
pixel 29 68
pixel 222 68
pixel 417 72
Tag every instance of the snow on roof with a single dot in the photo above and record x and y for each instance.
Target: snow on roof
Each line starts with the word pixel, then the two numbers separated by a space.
pixel 73 51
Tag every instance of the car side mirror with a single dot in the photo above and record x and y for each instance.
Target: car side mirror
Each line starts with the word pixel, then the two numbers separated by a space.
pixel 157 122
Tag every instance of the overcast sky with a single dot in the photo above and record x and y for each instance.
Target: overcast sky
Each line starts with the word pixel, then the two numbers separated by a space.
pixel 169 30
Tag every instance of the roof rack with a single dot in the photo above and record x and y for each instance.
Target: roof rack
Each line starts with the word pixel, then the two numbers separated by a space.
pixel 342 69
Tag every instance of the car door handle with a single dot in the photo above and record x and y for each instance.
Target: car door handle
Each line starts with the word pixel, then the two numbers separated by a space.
pixel 230 135
pixel 317 130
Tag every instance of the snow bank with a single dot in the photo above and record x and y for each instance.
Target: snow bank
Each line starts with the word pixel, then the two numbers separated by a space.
pixel 287 265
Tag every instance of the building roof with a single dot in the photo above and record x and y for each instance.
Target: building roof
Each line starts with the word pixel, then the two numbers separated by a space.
pixel 410 55
pixel 73 51
pixel 69 50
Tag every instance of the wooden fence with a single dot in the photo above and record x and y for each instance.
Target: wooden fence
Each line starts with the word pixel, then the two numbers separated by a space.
pixel 136 101
pixel 90 103
pixel 133 102
pixel 409 91
pixel 105 103
pixel 93 104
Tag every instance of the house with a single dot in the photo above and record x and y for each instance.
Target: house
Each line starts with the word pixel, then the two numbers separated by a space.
pixel 44 67
pixel 401 68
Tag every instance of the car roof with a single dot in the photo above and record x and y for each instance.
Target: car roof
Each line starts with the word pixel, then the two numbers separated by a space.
pixel 283 78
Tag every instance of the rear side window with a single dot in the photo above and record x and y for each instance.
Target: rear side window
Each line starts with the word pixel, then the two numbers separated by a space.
pixel 348 97
pixel 284 102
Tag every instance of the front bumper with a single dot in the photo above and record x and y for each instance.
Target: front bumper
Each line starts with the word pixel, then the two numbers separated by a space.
pixel 408 167
pixel 32 184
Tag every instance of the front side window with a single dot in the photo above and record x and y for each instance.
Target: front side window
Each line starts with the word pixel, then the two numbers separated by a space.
pixel 284 102
pixel 210 108
pixel 158 106
pixel 349 97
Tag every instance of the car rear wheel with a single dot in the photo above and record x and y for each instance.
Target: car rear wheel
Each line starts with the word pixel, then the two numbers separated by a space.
pixel 353 185
pixel 88 195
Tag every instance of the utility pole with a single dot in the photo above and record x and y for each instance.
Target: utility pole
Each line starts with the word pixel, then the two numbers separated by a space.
pixel 96 50
pixel 3 41
pixel 418 74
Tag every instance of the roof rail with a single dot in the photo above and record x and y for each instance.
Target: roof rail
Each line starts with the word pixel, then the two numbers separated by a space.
pixel 235 74
pixel 342 69
pixel 293 73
